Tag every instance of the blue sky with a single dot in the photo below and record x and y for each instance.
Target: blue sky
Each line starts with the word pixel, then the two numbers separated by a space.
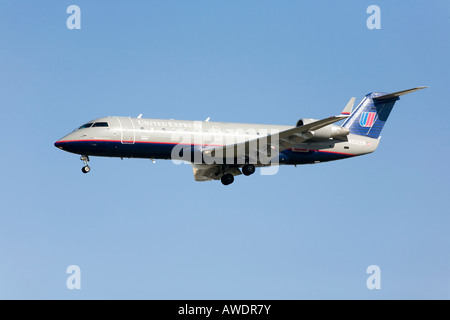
pixel 148 231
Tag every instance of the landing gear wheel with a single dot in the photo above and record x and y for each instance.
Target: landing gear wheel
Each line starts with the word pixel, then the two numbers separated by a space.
pixel 248 169
pixel 86 168
pixel 227 179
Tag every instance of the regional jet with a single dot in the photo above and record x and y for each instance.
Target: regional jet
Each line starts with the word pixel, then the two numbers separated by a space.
pixel 221 151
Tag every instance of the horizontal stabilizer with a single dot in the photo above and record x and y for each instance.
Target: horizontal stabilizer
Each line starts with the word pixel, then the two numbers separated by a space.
pixel 397 94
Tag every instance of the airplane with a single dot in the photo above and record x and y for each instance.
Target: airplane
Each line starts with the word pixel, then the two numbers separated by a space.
pixel 221 151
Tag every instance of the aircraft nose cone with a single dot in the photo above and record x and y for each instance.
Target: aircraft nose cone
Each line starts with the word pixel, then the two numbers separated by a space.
pixel 59 144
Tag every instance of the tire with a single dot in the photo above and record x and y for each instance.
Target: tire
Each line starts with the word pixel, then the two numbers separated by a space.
pixel 85 169
pixel 227 179
pixel 248 169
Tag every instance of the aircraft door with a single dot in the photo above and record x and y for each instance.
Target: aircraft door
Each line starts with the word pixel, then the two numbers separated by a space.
pixel 127 133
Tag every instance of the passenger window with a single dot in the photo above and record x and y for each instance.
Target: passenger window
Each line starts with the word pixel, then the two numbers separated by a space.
pixel 100 124
pixel 84 126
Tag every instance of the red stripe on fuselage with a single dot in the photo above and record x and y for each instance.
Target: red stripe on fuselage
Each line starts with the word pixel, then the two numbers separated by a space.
pixel 149 142
pixel 334 152
pixel 342 153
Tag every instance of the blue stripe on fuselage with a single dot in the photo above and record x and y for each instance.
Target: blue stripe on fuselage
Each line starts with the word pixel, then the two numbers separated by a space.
pixel 311 156
pixel 105 148
pixel 158 150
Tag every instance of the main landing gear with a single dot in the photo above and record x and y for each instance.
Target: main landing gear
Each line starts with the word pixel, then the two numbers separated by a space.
pixel 228 178
pixel 248 169
pixel 86 167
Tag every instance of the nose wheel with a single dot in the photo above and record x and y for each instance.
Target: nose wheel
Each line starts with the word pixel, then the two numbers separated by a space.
pixel 86 167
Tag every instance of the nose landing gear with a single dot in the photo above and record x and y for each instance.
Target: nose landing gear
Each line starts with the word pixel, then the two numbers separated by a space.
pixel 86 167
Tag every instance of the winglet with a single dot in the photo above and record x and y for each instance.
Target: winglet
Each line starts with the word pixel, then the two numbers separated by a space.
pixel 348 108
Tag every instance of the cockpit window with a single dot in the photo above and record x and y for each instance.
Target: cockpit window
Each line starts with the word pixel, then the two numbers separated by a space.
pixel 100 124
pixel 84 126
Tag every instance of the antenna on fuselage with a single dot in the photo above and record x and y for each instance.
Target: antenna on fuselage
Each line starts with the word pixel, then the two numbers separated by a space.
pixel 207 119
pixel 139 116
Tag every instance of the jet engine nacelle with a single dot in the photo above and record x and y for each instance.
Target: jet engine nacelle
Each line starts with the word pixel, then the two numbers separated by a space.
pixel 302 122
pixel 330 131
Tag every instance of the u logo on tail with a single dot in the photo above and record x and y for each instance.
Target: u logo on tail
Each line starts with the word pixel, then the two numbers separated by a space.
pixel 367 119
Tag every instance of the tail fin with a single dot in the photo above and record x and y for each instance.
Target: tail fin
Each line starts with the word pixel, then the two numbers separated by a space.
pixel 369 117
